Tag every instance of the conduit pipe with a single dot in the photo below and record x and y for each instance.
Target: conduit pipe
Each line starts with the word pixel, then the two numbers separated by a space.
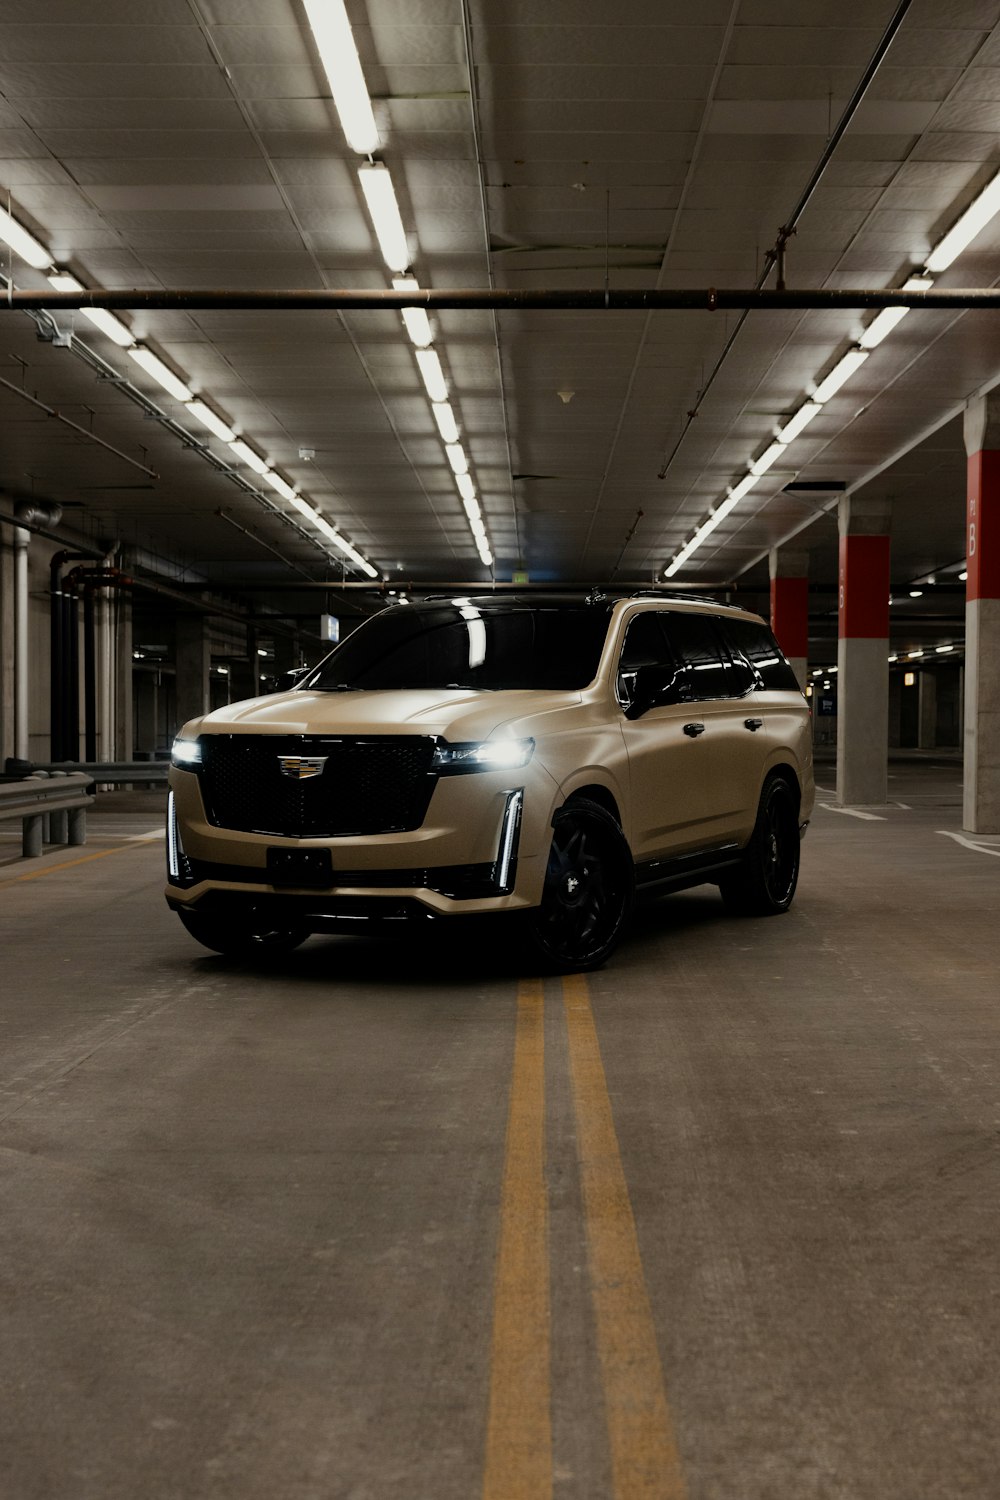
pixel 602 299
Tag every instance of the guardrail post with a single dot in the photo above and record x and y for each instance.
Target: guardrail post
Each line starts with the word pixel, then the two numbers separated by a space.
pixel 58 827
pixel 31 836
pixel 77 826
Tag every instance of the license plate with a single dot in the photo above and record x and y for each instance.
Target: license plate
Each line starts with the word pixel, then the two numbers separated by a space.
pixel 300 867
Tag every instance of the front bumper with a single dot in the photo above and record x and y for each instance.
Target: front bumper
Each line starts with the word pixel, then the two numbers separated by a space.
pixel 483 847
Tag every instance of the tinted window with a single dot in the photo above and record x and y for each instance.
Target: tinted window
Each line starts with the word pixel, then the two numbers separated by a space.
pixel 460 645
pixel 645 645
pixel 699 650
pixel 754 641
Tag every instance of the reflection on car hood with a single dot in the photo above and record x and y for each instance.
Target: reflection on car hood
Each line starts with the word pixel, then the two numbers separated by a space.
pixel 455 713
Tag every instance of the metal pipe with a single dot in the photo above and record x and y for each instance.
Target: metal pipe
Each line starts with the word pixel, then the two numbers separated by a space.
pixel 71 747
pixel 58 633
pixel 50 411
pixel 610 299
pixel 89 673
pixel 21 539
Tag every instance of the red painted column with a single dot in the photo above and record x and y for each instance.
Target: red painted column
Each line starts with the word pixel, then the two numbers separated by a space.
pixel 981 782
pixel 863 654
pixel 790 607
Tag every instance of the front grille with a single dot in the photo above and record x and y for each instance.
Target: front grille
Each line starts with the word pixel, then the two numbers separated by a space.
pixel 379 784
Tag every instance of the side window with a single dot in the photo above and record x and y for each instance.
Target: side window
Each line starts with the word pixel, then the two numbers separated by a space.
pixel 753 640
pixel 700 651
pixel 645 645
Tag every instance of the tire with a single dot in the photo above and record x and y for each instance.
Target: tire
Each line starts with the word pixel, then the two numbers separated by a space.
pixel 248 935
pixel 764 885
pixel 588 891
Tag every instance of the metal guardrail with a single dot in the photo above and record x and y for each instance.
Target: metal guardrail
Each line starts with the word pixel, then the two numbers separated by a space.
pixel 60 801
pixel 110 772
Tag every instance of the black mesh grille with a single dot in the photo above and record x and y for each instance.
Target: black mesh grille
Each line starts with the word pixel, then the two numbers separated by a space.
pixel 381 784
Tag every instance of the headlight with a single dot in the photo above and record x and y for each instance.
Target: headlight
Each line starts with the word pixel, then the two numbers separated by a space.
pixel 185 753
pixel 481 755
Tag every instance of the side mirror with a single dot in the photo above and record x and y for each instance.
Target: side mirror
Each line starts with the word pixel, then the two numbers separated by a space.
pixel 655 686
pixel 290 679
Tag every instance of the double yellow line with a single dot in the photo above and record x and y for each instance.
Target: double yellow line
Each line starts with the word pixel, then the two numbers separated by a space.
pixel 644 1459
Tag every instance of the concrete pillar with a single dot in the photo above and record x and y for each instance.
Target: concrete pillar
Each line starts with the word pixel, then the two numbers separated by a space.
pixel 193 659
pixel 122 746
pixel 981 795
pixel 147 713
pixel 927 711
pixel 863 656
pixel 790 607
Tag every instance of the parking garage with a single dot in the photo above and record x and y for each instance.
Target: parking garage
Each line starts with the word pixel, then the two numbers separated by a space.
pixel 529 302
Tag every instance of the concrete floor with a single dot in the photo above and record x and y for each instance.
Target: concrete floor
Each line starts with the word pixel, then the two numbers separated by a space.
pixel 284 1234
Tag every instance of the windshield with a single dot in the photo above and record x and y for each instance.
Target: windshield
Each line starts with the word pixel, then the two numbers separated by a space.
pixel 460 646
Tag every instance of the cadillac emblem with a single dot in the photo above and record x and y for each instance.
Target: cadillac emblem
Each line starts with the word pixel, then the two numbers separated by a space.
pixel 301 767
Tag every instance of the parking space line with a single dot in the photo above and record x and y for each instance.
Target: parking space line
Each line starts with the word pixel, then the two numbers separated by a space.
pixel 644 1459
pixel 968 843
pixel 853 812
pixel 69 864
pixel 518 1463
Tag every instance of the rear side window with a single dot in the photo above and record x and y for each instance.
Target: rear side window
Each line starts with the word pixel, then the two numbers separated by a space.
pixel 752 640
pixel 701 655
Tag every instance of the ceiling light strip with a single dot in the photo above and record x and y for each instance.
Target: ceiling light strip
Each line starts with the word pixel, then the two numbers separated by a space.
pixel 975 218
pixel 31 250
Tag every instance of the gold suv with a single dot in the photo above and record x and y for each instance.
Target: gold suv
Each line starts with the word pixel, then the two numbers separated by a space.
pixel 505 754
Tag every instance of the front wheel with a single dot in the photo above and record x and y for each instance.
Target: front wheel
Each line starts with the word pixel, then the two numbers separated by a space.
pixel 589 885
pixel 765 881
pixel 247 935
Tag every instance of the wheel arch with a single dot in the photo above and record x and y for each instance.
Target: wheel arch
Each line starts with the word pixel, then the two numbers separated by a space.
pixel 787 772
pixel 595 792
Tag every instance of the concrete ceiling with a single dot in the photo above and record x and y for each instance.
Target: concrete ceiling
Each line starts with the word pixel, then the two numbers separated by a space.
pixel 169 143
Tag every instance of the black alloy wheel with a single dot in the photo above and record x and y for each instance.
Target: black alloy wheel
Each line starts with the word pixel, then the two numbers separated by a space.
pixel 248 935
pixel 588 891
pixel 765 882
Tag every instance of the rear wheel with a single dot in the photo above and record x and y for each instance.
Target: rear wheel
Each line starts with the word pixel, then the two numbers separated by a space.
pixel 246 935
pixel 765 882
pixel 589 885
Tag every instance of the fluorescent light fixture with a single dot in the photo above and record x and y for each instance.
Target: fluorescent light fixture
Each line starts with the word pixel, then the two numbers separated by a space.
pixel 457 458
pixel 417 323
pixel 841 372
pixel 376 184
pixel 799 422
pixel 767 458
pixel 705 529
pixel 303 507
pixel 250 458
pixel 889 317
pixel 466 487
pixel 744 487
pixel 472 509
pixel 976 217
pixel 485 555
pixel 916 593
pixel 962 576
pixel 940 650
pixel 331 532
pixel 432 374
pixel 913 654
pixel 112 327
pixel 283 488
pixel 22 243
pixel 210 419
pixel 445 419
pixel 894 657
pixel 339 56
pixel 161 373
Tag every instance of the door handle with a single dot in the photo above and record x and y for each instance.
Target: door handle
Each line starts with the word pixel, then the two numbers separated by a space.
pixel 694 730
pixel 754 723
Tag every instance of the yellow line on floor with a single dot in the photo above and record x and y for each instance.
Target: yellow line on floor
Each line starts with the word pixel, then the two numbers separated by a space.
pixel 518 1462
pixel 644 1460
pixel 69 864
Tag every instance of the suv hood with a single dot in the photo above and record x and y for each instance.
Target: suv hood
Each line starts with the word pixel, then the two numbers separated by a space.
pixel 454 713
